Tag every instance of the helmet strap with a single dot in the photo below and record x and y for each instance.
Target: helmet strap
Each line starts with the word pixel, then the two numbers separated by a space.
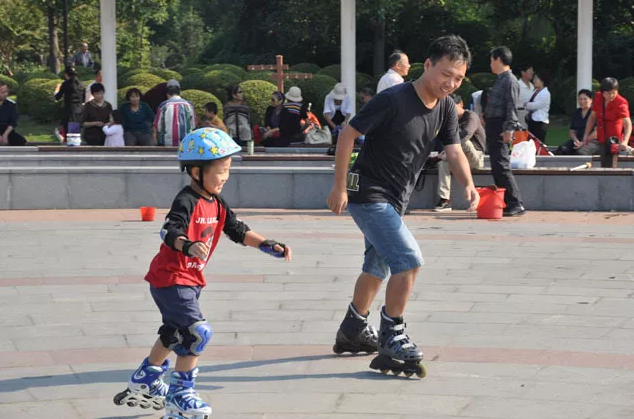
pixel 201 170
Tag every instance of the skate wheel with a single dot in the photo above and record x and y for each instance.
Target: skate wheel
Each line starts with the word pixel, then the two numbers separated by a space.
pixel 408 374
pixel 385 371
pixel 354 352
pixel 421 373
pixel 131 404
pixel 118 398
pixel 337 349
pixel 396 372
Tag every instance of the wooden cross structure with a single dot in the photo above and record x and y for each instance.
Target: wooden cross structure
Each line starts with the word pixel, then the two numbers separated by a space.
pixel 279 74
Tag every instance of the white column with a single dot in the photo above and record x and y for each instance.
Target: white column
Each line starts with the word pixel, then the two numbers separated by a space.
pixel 348 50
pixel 584 44
pixel 109 49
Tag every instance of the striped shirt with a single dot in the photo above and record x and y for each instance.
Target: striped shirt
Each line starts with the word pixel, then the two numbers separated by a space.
pixel 175 118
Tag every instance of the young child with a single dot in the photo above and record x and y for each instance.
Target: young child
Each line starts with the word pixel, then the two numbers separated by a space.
pixel 211 117
pixel 190 234
pixel 114 130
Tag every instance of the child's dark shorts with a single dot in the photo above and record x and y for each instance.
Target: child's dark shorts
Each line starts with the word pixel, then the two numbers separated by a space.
pixel 178 305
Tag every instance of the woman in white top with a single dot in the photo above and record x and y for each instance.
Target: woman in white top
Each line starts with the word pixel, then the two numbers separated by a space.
pixel 114 130
pixel 539 106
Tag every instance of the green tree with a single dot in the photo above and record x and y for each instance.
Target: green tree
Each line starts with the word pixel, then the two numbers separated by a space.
pixel 16 30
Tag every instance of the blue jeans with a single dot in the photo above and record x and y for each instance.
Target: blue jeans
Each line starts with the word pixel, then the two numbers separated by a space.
pixel 389 245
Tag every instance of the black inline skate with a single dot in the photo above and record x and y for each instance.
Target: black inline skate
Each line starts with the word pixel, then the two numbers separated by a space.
pixel 396 353
pixel 355 334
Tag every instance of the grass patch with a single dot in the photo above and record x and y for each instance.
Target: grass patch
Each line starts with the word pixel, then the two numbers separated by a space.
pixel 36 132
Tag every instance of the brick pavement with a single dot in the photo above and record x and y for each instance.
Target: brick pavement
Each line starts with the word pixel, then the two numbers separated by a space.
pixel 521 319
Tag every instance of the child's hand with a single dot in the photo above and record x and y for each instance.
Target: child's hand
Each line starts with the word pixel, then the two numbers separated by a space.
pixel 273 248
pixel 195 249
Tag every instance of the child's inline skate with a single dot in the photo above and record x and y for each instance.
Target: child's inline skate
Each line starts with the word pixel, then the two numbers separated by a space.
pixel 146 387
pixel 355 334
pixel 396 352
pixel 182 401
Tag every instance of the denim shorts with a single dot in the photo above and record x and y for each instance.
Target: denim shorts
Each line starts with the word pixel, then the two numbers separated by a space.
pixel 389 245
pixel 178 305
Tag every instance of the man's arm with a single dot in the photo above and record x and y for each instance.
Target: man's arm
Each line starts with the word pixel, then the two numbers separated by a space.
pixel 468 129
pixel 511 98
pixel 338 198
pixel 461 170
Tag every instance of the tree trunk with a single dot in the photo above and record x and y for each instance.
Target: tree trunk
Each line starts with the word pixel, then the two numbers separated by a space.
pixel 53 41
pixel 378 30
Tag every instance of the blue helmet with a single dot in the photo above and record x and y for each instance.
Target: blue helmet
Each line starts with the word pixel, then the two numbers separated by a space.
pixel 201 146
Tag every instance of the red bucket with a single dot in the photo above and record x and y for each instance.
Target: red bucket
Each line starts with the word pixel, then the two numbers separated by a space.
pixel 148 213
pixel 491 204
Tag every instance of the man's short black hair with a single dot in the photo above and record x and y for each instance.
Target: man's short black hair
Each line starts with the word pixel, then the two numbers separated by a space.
pixel 173 90
pixel 96 88
pixel 4 83
pixel 367 91
pixel 608 84
pixel 451 46
pixel 503 53
pixel 394 58
pixel 524 67
pixel 211 107
pixel 456 98
pixel 586 92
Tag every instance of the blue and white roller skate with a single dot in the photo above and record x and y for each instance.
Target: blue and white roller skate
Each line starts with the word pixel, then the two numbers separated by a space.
pixel 182 401
pixel 146 387
pixel 396 352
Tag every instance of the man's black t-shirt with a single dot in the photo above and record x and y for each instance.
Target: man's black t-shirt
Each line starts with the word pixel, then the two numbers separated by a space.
pixel 397 127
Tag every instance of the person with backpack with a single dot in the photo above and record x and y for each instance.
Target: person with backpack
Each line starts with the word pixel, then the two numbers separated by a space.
pixel 237 116
pixel 73 92
pixel 399 123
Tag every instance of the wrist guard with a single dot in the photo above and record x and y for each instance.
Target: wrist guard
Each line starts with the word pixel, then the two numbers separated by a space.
pixel 268 246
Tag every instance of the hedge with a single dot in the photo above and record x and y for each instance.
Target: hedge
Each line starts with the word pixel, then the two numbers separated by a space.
pixel 193 80
pixel 37 99
pixel 257 94
pixel 465 91
pixel 482 80
pixel 305 68
pixel 144 79
pixel 217 81
pixel 165 74
pixel 365 80
pixel 333 71
pixel 121 93
pixel 14 86
pixel 191 70
pixel 259 75
pixel 199 98
pixel 45 75
pixel 122 80
pixel 564 95
pixel 414 73
pixel 238 71
pixel 315 91
pixel 626 89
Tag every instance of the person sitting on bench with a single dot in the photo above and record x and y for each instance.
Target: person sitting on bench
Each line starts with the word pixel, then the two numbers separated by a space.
pixel 8 119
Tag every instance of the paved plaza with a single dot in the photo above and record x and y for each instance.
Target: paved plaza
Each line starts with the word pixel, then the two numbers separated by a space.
pixel 529 318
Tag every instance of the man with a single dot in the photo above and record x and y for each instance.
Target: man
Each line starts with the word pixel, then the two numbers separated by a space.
pixel 8 119
pixel 612 114
pixel 473 143
pixel 526 91
pixel 175 118
pixel 399 67
pixel 98 79
pixel 83 57
pixel 399 124
pixel 500 115
pixel 337 108
pixel 366 94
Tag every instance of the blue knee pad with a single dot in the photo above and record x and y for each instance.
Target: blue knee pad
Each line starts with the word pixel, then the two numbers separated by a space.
pixel 191 340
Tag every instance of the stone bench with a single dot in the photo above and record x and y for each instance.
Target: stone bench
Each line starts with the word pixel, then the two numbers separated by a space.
pixel 288 187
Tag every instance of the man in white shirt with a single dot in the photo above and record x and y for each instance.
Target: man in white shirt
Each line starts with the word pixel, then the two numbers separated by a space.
pixel 399 67
pixel 526 91
pixel 337 108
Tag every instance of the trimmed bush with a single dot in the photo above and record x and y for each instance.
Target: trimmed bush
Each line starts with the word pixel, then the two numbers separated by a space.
pixel 238 71
pixel 333 71
pixel 305 68
pixel 414 73
pixel 82 73
pixel 260 75
pixel 626 89
pixel 166 74
pixel 122 79
pixel 365 80
pixel 44 75
pixel 124 90
pixel 217 81
pixel 564 94
pixel 315 91
pixel 257 94
pixel 144 79
pixel 14 86
pixel 37 99
pixel 199 98
pixel 193 80
pixel 482 80
pixel 191 70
